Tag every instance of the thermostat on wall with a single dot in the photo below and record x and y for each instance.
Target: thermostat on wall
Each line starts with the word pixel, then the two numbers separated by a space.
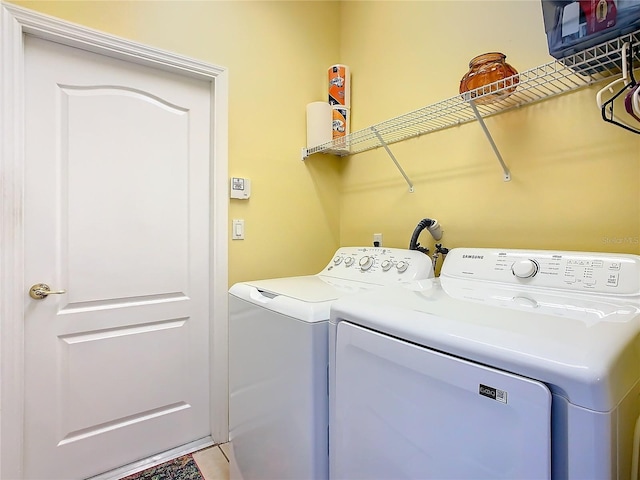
pixel 240 188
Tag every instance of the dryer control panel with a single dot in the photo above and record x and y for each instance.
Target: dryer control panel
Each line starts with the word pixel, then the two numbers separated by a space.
pixel 379 265
pixel 617 274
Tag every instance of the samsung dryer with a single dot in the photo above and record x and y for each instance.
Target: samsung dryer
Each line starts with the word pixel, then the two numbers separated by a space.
pixel 513 364
pixel 278 360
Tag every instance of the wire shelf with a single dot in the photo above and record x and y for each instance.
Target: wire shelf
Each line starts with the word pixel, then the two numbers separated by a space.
pixel 554 78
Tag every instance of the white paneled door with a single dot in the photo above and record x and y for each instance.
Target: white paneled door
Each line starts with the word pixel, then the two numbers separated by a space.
pixel 116 213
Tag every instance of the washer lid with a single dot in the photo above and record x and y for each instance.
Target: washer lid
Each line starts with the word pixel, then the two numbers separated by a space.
pixel 586 348
pixel 310 288
pixel 306 298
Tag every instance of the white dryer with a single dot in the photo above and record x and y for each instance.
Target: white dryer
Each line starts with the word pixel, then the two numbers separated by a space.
pixel 278 360
pixel 512 365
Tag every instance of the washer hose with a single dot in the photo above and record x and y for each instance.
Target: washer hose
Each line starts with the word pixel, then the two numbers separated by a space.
pixel 434 229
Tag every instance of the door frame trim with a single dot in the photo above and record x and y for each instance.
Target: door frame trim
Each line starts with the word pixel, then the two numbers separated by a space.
pixel 15 22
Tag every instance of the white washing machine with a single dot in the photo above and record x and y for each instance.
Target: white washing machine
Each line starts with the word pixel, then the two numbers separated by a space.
pixel 512 365
pixel 278 360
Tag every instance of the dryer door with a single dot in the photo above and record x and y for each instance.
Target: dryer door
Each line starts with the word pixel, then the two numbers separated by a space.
pixel 404 411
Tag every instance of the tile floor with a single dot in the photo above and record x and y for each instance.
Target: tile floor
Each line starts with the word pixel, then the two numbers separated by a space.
pixel 213 462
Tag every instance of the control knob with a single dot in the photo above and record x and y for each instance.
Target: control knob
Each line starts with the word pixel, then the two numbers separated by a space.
pixel 525 268
pixel 348 261
pixel 386 265
pixel 337 260
pixel 366 262
pixel 402 266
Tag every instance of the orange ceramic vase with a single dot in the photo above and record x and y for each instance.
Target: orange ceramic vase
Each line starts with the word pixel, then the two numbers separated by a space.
pixel 484 70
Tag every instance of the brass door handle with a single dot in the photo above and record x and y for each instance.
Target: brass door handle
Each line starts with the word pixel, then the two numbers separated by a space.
pixel 42 290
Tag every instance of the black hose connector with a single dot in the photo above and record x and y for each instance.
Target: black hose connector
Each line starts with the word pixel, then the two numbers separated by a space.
pixel 414 245
pixel 441 249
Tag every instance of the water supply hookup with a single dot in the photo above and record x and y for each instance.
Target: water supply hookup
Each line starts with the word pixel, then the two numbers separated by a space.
pixel 434 229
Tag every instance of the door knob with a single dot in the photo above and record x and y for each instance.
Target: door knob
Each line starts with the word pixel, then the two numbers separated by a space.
pixel 42 290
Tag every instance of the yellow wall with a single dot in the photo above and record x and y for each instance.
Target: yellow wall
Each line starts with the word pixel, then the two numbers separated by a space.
pixel 277 54
pixel 575 178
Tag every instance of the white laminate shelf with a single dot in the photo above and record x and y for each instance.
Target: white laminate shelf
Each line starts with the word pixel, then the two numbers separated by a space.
pixel 554 78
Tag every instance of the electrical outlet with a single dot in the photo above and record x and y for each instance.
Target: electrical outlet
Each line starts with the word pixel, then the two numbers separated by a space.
pixel 377 239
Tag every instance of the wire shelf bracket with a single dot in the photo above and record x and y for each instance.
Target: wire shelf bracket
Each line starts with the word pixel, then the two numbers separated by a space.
pixel 505 169
pixel 390 153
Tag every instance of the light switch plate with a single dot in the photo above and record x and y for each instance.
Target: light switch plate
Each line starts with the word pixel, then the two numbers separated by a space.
pixel 237 229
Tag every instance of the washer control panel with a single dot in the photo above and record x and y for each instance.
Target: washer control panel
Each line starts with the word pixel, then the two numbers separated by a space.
pixel 613 273
pixel 379 265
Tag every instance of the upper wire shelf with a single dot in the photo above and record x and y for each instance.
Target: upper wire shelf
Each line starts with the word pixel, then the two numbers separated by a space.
pixel 554 78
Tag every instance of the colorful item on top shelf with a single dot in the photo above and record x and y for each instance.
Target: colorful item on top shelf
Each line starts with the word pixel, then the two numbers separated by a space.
pixel 485 70
pixel 573 26
pixel 341 127
pixel 340 85
pixel 340 121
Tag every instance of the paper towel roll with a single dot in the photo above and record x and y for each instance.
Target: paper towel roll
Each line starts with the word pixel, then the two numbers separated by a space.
pixel 319 123
pixel 341 127
pixel 340 85
pixel 341 121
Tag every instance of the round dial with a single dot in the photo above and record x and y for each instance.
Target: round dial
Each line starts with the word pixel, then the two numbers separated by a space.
pixel 525 268
pixel 402 266
pixel 348 261
pixel 366 262
pixel 386 265
pixel 337 260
